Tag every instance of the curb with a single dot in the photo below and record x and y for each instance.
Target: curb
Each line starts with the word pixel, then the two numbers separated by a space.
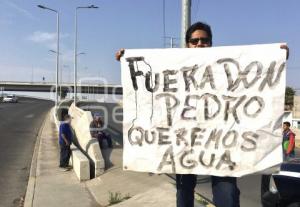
pixel 29 196
pixel 203 200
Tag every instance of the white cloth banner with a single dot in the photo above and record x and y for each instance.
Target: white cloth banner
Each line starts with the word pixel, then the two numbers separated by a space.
pixel 211 111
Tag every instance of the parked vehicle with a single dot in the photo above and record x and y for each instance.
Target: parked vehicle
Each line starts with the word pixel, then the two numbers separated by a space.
pixel 10 99
pixel 282 189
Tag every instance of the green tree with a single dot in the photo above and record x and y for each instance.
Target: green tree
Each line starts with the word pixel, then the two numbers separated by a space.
pixel 289 97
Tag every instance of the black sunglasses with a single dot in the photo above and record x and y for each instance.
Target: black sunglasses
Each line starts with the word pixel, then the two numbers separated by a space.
pixel 204 40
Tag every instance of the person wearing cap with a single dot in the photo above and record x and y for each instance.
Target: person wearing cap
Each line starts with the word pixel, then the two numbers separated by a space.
pixel 65 141
pixel 96 129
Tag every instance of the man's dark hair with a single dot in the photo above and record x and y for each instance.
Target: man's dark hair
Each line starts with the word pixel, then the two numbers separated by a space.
pixel 67 116
pixel 287 123
pixel 198 26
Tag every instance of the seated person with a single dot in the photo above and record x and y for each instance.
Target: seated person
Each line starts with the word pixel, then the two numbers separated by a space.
pixel 96 129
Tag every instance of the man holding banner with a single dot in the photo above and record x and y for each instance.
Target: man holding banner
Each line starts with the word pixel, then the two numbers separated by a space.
pixel 203 112
pixel 225 190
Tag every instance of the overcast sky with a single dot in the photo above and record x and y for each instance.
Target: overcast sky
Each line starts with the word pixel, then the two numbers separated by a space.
pixel 28 33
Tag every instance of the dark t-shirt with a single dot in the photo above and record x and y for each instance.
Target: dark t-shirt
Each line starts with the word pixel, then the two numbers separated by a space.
pixel 65 129
pixel 95 128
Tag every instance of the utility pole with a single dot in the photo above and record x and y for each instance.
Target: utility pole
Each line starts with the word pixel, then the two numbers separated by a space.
pixel 185 19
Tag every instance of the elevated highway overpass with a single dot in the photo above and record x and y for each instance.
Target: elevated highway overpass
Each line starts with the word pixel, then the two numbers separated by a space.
pixel 66 88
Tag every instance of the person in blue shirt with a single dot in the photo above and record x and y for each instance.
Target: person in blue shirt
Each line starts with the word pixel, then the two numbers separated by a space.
pixel 65 141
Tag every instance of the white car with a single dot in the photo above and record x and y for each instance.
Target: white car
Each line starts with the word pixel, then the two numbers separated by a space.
pixel 10 99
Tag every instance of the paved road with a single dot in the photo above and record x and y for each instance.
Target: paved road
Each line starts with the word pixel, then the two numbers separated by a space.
pixel 19 125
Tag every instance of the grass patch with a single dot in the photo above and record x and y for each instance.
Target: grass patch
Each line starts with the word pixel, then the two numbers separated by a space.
pixel 116 197
pixel 201 200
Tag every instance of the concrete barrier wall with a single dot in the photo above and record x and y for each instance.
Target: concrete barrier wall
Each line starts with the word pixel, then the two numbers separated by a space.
pixel 81 164
pixel 81 125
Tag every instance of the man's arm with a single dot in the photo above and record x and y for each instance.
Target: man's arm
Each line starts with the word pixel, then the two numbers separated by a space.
pixel 65 139
pixel 285 47
pixel 119 54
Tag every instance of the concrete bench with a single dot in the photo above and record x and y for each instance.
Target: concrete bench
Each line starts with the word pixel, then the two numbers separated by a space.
pixel 81 164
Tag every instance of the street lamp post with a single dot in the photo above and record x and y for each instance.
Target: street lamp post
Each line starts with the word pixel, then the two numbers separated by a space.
pixel 60 75
pixel 80 53
pixel 61 71
pixel 57 51
pixel 75 48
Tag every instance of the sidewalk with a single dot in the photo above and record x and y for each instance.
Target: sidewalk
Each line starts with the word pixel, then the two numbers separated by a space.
pixel 143 189
pixel 48 186
pixel 139 189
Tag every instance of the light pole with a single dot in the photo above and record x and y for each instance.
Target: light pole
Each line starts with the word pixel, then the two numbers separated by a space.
pixel 60 79
pixel 88 87
pixel 57 50
pixel 61 71
pixel 69 78
pixel 80 53
pixel 75 48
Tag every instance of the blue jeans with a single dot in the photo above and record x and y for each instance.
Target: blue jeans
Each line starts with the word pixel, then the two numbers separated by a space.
pixel 101 137
pixel 224 189
pixel 185 185
pixel 65 154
